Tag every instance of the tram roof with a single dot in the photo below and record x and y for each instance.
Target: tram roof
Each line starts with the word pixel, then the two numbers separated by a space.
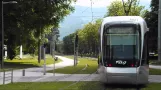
pixel 137 19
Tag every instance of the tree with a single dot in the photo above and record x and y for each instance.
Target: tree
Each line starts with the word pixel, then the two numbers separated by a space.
pixel 119 8
pixel 88 39
pixel 27 22
pixel 151 18
pixel 68 44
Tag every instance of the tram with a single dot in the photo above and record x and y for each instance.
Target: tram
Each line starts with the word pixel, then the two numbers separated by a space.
pixel 123 50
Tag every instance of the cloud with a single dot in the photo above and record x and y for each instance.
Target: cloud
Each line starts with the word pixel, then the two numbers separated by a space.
pixel 102 3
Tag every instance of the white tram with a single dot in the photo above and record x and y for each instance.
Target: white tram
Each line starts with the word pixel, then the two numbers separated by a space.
pixel 123 51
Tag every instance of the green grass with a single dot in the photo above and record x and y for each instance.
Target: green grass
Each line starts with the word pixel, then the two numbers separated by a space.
pixel 156 55
pixel 26 63
pixel 92 67
pixel 72 57
pixel 153 86
pixel 78 86
pixel 155 62
pixel 154 71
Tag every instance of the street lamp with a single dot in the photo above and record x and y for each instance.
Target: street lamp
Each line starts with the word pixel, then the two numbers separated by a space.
pixel 159 32
pixel 10 2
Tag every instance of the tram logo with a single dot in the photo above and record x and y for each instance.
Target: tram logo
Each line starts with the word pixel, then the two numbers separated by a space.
pixel 121 62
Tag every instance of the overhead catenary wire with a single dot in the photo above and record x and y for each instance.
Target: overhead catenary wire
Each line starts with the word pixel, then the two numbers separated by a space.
pixel 85 9
pixel 86 16
pixel 92 9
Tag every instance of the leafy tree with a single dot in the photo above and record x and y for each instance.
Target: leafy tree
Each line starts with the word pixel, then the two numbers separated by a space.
pixel 59 48
pixel 119 8
pixel 88 40
pixel 68 44
pixel 27 22
pixel 151 18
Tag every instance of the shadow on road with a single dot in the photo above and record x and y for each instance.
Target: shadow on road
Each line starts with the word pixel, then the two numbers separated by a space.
pixel 17 65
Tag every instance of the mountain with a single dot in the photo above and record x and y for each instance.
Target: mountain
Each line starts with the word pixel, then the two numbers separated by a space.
pixel 76 20
pixel 82 15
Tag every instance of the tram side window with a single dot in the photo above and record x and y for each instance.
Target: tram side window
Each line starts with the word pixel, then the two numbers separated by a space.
pixel 145 50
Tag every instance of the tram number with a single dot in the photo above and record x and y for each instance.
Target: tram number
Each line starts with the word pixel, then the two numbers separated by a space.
pixel 121 62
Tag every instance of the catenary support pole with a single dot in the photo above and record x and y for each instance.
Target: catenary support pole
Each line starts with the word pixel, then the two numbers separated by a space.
pixel 159 32
pixel 44 62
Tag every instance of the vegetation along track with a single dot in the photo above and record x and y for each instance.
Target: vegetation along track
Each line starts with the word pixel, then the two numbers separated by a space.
pixel 84 78
pixel 96 85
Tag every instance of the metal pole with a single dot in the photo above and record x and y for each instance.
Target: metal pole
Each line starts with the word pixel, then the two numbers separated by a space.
pixel 76 51
pixel 3 33
pixel 2 39
pixel 54 55
pixel 54 48
pixel 74 54
pixel 23 72
pixel 54 68
pixel 92 9
pixel 4 77
pixel 44 62
pixel 39 51
pixel 159 32
pixel 12 76
pixel 77 56
pixel 50 50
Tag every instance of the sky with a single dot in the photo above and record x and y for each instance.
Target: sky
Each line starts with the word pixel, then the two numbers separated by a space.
pixel 104 3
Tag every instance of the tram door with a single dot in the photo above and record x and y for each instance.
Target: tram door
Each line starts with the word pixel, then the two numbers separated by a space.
pixel 143 70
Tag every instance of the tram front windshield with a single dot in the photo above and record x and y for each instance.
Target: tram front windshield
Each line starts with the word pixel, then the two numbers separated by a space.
pixel 121 43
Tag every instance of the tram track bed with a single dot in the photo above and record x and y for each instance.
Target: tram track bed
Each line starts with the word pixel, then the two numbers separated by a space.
pixel 74 77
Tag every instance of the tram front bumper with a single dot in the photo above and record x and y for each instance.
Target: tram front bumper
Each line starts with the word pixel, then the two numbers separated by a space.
pixel 121 75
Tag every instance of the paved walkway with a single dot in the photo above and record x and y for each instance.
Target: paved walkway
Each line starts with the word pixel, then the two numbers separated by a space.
pixel 36 74
pixel 65 62
pixel 38 71
pixel 155 66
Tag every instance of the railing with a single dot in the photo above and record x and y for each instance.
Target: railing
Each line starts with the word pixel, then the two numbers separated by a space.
pixel 1 77
pixel 7 76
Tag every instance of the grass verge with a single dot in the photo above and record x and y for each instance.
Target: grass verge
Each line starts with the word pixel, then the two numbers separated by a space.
pixel 27 62
pixel 155 62
pixel 92 67
pixel 78 86
pixel 154 71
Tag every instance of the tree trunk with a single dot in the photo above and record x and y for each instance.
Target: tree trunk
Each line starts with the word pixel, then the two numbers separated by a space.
pixel 39 51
